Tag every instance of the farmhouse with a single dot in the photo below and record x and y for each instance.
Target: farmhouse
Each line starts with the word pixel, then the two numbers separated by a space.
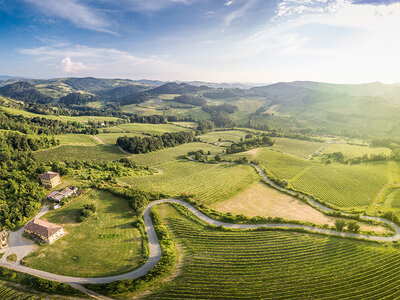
pixel 46 231
pixel 65 193
pixel 50 179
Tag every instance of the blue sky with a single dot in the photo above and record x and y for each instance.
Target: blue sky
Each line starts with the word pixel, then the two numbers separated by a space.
pixel 212 40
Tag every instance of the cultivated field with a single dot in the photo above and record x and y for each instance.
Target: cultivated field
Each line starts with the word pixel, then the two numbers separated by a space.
pixel 343 185
pixel 281 165
pixel 111 138
pixel 7 293
pixel 170 154
pixel 71 152
pixel 352 151
pixel 261 200
pixel 206 182
pixel 154 129
pixel 76 139
pixel 299 148
pixel 229 135
pixel 276 265
pixel 106 244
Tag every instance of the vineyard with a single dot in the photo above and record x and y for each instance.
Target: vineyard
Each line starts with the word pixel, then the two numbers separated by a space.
pixel 7 293
pixel 299 148
pixel 343 185
pixel 352 151
pixel 281 165
pixel 229 135
pixel 276 265
pixel 171 154
pixel 153 129
pixel 71 152
pixel 207 182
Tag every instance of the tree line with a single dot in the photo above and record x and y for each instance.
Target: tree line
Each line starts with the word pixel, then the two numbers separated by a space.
pixel 250 143
pixel 148 144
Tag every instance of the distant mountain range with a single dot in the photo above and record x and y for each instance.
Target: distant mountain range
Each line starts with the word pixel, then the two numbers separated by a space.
pixel 368 108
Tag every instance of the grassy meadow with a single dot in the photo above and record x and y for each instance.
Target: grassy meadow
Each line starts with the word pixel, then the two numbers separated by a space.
pixel 228 135
pixel 105 245
pixel 352 151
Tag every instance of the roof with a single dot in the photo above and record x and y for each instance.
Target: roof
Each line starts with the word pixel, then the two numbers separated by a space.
pixel 42 227
pixel 52 194
pixel 67 192
pixel 49 175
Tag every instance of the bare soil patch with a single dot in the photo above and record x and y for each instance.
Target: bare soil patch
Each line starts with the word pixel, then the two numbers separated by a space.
pixel 261 200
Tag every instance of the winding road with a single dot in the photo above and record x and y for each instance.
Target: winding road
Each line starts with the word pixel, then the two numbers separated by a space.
pixel 155 250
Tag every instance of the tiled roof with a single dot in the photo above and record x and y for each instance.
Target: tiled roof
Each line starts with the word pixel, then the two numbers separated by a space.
pixel 42 227
pixel 49 175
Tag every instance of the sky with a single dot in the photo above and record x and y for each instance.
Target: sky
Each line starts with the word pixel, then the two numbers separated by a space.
pixel 260 41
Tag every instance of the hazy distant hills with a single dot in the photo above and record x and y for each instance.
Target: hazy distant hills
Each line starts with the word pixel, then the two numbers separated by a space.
pixel 372 108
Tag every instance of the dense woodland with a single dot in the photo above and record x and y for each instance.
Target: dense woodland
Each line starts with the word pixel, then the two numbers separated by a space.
pixel 148 144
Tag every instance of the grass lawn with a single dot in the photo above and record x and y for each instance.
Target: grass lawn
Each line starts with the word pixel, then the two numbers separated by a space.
pixel 206 182
pixel 261 200
pixel 352 151
pixel 104 245
pixel 70 152
pixel 343 185
pixel 170 154
pixel 299 148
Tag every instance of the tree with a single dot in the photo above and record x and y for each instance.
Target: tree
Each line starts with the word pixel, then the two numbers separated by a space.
pixel 353 226
pixel 340 224
pixel 217 157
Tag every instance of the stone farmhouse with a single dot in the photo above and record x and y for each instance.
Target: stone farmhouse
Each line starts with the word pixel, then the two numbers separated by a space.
pixel 50 179
pixel 45 231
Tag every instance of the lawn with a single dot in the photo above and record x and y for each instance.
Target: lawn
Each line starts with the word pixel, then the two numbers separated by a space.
pixel 170 154
pixel 299 148
pixel 343 185
pixel 228 135
pixel 352 151
pixel 206 182
pixel 70 152
pixel 219 264
pixel 106 244
pixel 281 165
pixel 261 200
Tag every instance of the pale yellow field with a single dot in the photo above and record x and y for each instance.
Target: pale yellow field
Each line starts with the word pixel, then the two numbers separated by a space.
pixel 261 200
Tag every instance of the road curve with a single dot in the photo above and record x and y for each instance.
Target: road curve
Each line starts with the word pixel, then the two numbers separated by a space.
pixel 155 250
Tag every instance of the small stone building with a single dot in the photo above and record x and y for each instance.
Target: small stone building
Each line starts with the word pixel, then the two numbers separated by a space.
pixel 46 231
pixel 50 179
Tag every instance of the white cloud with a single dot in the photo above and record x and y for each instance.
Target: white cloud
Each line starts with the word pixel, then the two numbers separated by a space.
pixel 240 12
pixel 147 5
pixel 105 62
pixel 74 12
pixel 227 3
pixel 72 67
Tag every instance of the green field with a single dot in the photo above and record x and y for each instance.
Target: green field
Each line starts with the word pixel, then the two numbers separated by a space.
pixel 80 119
pixel 170 154
pixel 106 244
pixel 77 139
pixel 281 165
pixel 228 135
pixel 206 182
pixel 111 138
pixel 275 265
pixel 343 185
pixel 299 148
pixel 352 151
pixel 154 129
pixel 71 152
